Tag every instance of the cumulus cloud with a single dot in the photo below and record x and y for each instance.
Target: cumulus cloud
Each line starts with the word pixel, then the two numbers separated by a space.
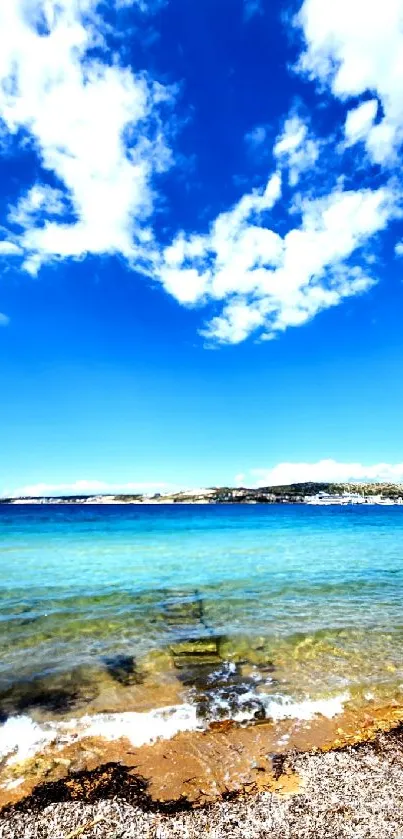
pixel 86 487
pixel 102 137
pixel 261 279
pixel 269 281
pixel 399 248
pixel 95 125
pixel 324 471
pixel 355 48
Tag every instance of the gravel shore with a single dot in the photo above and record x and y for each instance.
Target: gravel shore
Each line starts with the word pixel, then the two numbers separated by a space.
pixel 355 792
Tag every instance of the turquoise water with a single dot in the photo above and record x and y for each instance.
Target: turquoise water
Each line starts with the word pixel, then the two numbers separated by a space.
pixel 314 592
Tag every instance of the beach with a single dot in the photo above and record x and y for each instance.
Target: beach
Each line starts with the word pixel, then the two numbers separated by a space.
pixel 352 792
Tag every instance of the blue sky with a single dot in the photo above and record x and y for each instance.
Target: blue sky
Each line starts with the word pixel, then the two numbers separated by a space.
pixel 201 243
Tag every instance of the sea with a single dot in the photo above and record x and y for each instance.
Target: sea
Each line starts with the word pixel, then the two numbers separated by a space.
pixel 152 619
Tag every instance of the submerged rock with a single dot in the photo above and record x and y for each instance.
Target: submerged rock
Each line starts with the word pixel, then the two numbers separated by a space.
pixel 123 668
pixel 195 652
pixel 227 694
pixel 57 693
pixel 184 609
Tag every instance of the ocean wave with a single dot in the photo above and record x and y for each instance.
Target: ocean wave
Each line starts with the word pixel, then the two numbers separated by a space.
pixel 22 738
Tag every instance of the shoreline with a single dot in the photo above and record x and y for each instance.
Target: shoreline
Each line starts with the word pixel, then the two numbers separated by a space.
pixel 197 765
pixel 350 791
pixel 149 502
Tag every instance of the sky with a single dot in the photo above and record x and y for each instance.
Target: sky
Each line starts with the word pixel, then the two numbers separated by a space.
pixel 201 243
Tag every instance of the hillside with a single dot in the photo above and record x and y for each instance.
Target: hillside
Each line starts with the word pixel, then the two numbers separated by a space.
pixel 291 493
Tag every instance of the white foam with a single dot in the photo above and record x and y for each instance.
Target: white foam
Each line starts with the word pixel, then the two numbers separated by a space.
pixel 22 738
pixel 282 708
pixel 140 728
pixel 275 708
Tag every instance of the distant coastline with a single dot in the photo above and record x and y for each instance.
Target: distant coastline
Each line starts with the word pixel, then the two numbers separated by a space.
pixel 320 494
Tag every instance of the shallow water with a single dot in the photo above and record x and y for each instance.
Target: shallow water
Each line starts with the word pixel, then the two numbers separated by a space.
pixel 237 608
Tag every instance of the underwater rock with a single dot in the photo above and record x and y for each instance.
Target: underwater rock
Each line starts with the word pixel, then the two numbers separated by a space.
pixel 184 609
pixel 123 669
pixel 57 693
pixel 195 652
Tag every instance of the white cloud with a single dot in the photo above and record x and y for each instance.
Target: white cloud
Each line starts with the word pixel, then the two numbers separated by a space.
pixel 399 248
pixel 295 149
pixel 8 248
pixel 95 126
pixel 4 320
pixel 40 199
pixel 88 488
pixel 238 319
pixel 325 471
pixel 293 135
pixel 99 133
pixel 356 48
pixel 272 281
pixel 359 120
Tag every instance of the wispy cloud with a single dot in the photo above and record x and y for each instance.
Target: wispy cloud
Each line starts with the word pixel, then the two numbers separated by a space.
pixel 39 200
pixel 323 471
pixel 4 320
pixel 360 120
pixel 295 149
